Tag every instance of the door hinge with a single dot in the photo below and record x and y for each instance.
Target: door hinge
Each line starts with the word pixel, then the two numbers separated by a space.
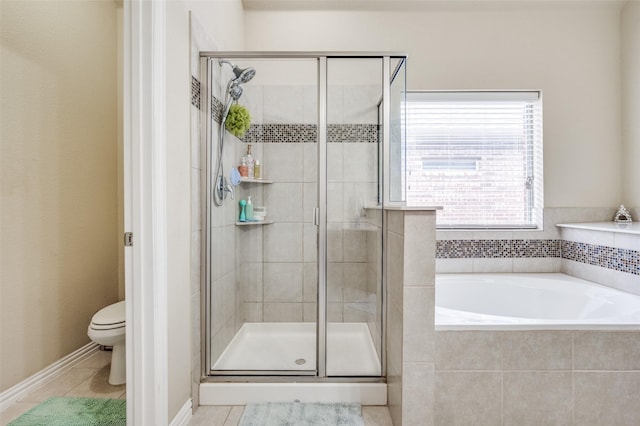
pixel 128 239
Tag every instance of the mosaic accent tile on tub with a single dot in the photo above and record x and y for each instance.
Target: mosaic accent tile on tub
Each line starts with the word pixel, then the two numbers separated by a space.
pixel 622 260
pixel 618 259
pixel 459 249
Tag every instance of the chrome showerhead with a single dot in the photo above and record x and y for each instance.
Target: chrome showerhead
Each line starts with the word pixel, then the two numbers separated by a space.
pixel 242 75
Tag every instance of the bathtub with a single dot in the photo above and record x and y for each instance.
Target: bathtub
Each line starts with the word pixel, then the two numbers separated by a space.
pixel 537 301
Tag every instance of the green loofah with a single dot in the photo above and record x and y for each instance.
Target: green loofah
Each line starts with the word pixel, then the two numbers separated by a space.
pixel 238 120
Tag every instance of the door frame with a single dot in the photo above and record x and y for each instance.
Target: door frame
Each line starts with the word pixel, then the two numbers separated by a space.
pixel 144 110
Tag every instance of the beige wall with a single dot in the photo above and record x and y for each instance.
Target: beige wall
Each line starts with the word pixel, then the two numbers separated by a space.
pixel 631 104
pixel 571 52
pixel 59 239
pixel 223 20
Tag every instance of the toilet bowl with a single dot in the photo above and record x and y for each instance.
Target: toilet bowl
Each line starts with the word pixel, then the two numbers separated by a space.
pixel 107 328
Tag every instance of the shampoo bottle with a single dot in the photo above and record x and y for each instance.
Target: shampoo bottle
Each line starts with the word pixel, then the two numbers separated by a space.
pixel 249 209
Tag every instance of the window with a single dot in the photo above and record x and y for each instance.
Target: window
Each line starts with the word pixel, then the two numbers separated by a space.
pixel 477 154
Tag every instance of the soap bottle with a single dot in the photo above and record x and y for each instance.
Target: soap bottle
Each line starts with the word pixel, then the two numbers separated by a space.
pixel 249 209
pixel 257 172
pixel 248 160
pixel 243 169
pixel 243 211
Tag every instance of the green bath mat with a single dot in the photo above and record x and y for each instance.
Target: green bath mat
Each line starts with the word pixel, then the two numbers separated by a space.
pixel 301 414
pixel 75 412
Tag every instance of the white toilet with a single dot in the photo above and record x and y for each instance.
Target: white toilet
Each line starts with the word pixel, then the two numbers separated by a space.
pixel 107 328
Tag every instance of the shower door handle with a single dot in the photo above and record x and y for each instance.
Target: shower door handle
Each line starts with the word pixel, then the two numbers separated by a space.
pixel 316 216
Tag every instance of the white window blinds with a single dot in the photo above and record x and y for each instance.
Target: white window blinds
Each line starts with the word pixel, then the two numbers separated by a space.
pixel 477 154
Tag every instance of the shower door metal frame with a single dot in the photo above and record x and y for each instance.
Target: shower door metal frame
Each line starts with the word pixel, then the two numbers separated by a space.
pixel 321 319
pixel 320 374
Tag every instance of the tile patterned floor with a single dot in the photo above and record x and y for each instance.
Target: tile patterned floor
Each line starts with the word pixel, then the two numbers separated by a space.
pixel 89 379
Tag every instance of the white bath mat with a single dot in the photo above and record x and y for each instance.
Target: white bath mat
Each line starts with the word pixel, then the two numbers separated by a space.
pixel 302 414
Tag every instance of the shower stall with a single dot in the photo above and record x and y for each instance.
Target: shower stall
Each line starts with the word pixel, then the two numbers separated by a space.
pixel 297 293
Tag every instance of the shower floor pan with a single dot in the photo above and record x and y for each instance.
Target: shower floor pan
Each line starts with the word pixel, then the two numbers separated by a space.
pixel 292 347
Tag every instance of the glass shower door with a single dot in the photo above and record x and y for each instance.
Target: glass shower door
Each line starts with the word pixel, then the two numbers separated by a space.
pixel 300 292
pixel 264 273
pixel 354 227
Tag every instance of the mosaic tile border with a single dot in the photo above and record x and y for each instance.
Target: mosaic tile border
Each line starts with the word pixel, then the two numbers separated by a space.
pixel 622 260
pixel 292 133
pixel 217 108
pixel 459 249
pixel 195 92
pixel 308 133
pixel 281 133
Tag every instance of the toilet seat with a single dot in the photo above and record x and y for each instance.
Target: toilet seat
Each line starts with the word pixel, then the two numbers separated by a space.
pixel 111 317
pixel 107 328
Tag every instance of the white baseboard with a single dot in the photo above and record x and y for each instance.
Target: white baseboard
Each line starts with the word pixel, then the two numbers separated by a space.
pixel 184 415
pixel 19 390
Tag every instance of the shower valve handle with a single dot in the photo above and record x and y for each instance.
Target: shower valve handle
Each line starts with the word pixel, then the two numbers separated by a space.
pixel 223 188
pixel 228 188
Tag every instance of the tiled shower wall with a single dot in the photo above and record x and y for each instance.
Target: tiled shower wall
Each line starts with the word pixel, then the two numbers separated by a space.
pixel 227 307
pixel 279 260
pixel 198 41
pixel 269 272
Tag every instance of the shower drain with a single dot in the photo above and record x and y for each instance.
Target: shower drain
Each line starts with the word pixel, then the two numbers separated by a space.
pixel 301 361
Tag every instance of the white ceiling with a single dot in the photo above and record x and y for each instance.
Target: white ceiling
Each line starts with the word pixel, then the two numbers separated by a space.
pixel 423 4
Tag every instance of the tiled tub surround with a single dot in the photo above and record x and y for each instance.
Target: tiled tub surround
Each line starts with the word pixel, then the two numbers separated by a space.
pixel 541 377
pixel 410 290
pixel 602 256
pixel 495 377
pixel 533 251
pixel 537 377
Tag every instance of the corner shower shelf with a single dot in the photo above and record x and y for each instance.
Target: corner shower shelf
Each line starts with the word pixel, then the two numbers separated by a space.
pixel 255 222
pixel 253 180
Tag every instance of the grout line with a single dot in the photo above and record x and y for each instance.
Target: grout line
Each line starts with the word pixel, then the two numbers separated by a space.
pixel 224 422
